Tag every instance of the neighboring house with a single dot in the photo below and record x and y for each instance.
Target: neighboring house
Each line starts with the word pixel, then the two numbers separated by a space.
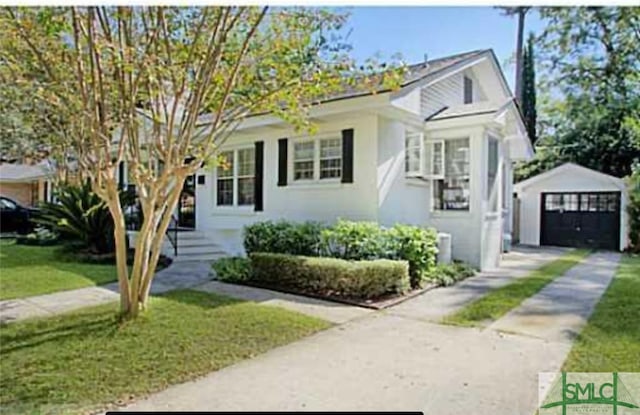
pixel 438 152
pixel 26 184
pixel 572 205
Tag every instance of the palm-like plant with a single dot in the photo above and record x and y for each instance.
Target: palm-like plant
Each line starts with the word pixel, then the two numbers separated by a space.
pixel 79 215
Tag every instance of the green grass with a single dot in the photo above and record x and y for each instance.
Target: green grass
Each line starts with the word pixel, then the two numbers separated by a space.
pixel 611 340
pixel 83 361
pixel 33 270
pixel 501 300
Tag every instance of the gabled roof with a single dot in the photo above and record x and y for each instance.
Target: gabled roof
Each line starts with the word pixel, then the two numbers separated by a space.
pixel 413 73
pixel 22 172
pixel 567 168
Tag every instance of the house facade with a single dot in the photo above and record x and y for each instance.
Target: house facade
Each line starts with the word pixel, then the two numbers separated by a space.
pixel 437 152
pixel 25 183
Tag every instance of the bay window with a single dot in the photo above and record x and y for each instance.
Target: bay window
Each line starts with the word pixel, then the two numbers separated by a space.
pixel 317 159
pixel 235 178
pixel 451 187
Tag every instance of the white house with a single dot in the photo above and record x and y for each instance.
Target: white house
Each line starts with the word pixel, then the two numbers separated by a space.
pixel 437 152
pixel 572 205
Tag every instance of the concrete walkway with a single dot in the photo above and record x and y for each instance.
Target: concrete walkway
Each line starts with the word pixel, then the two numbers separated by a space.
pixel 561 309
pixel 177 275
pixel 435 304
pixel 397 361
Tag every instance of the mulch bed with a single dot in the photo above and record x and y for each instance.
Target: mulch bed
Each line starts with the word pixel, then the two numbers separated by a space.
pixel 374 304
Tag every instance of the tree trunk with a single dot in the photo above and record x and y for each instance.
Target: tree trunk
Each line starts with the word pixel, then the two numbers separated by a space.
pixel 148 247
pixel 519 55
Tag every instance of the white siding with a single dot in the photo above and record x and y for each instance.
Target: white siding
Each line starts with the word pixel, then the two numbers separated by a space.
pixel 313 201
pixel 449 92
pixel 401 199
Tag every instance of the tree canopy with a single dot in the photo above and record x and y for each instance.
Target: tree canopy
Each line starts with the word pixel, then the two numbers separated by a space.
pixel 161 88
pixel 589 89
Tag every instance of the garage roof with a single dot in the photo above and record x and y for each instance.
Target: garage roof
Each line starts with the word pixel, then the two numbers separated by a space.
pixel 22 172
pixel 568 168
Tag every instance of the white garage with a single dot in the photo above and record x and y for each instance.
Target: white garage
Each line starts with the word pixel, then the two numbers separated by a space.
pixel 573 206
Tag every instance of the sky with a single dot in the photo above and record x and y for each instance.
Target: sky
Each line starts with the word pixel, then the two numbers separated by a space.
pixel 435 31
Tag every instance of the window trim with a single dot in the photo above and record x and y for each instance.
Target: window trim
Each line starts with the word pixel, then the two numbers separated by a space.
pixel 316 139
pixel 234 177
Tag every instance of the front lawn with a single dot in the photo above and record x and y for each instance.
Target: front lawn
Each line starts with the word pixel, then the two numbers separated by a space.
pixel 33 270
pixel 611 340
pixel 86 360
pixel 500 301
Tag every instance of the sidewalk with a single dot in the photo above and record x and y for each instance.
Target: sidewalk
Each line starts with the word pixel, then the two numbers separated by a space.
pixel 177 275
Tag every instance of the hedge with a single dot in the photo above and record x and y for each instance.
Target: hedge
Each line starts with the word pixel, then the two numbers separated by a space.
pixel 348 240
pixel 330 276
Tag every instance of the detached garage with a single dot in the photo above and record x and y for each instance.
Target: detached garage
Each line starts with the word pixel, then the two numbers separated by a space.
pixel 573 206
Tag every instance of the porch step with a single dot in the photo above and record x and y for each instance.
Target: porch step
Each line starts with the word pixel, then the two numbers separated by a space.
pixel 199 249
pixel 210 257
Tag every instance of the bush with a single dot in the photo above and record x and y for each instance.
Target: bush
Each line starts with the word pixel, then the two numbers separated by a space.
pixel 40 236
pixel 416 245
pixel 348 240
pixel 633 210
pixel 354 240
pixel 331 276
pixel 234 269
pixel 79 215
pixel 283 237
pixel 448 274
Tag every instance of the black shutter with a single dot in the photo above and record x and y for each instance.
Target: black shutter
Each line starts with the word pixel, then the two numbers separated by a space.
pixel 282 161
pixel 259 175
pixel 347 156
pixel 121 175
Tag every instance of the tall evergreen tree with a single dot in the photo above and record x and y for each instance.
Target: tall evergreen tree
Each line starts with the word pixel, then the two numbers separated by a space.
pixel 529 89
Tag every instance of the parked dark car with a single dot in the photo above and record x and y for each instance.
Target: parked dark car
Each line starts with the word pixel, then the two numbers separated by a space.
pixel 15 218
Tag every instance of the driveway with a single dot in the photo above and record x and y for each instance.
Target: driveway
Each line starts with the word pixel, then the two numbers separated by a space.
pixel 400 360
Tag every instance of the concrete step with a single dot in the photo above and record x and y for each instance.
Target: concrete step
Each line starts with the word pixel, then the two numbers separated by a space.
pixel 189 235
pixel 199 249
pixel 199 257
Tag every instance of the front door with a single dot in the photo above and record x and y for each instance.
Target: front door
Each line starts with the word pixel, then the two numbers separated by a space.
pixel 187 204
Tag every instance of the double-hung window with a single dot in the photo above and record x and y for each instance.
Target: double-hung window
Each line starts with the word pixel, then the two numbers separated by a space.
pixel 317 159
pixel 235 178
pixel 451 188
pixel 414 153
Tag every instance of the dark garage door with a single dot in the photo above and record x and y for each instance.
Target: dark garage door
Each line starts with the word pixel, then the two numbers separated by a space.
pixel 581 219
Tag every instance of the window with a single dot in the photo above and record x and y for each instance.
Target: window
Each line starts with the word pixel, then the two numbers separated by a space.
pixel 413 153
pixel 303 158
pixel 437 159
pixel 468 90
pixel 235 178
pixel 452 191
pixel 246 173
pixel 317 159
pixel 492 174
pixel 330 158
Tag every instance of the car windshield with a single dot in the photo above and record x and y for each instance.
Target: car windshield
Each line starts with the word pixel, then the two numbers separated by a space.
pixel 7 204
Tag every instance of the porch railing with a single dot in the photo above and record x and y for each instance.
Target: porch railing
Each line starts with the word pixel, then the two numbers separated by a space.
pixel 134 220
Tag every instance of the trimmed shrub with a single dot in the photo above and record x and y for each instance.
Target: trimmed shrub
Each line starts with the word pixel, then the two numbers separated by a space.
pixel 354 240
pixel 448 274
pixel 283 237
pixel 418 246
pixel 232 269
pixel 331 276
